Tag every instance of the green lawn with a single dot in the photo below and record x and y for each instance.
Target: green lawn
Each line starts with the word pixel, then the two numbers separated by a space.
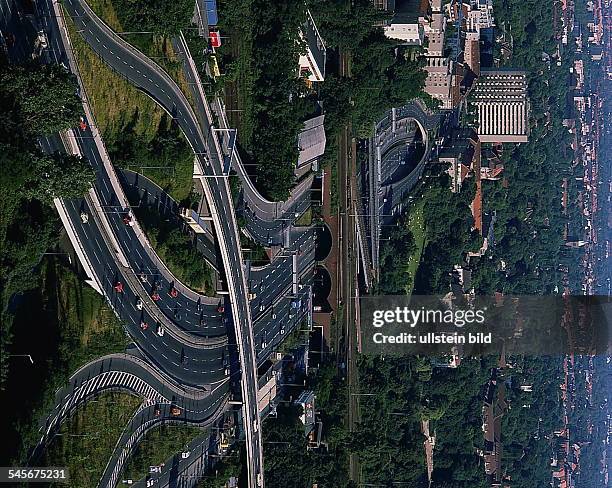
pixel 86 441
pixel 305 219
pixel 416 224
pixel 157 446
pixel 137 132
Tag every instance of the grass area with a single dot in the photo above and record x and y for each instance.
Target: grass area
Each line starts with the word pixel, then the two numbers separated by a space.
pixel 156 46
pixel 86 441
pixel 227 467
pixel 305 219
pixel 137 132
pixel 416 224
pixel 156 447
pixel 89 327
pixel 177 250
pixel 78 327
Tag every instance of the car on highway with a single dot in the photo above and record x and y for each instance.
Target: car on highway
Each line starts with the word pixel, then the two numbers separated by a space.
pixel 155 469
pixel 175 411
pixel 118 286
pixel 151 483
pixel 144 325
pixel 42 39
pixel 82 124
pixel 173 292
pixel 155 296
pixel 185 454
pixel 139 303
pixel 220 308
pixel 128 220
pixel 84 217
pixel 157 411
pixel 160 330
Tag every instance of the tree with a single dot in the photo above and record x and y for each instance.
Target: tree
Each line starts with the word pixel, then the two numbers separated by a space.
pixel 59 176
pixel 42 99
pixel 159 16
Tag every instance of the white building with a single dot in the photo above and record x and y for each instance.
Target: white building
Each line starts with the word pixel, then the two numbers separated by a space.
pixel 312 62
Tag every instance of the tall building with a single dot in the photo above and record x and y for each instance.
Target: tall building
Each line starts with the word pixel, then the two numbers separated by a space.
pixel 502 106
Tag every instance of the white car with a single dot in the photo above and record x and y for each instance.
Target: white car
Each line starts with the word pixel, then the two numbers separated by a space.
pixel 151 483
pixel 155 469
pixel 185 454
pixel 160 330
pixel 139 304
pixel 84 217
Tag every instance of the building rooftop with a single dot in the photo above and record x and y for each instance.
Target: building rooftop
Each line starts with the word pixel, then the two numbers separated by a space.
pixel 409 11
pixel 311 141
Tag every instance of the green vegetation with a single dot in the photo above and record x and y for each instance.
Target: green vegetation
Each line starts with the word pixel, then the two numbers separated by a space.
pixel 177 249
pixel 159 16
pixel 36 101
pixel 401 393
pixel 401 249
pixel 529 225
pixel 86 441
pixel 449 235
pixel 262 84
pixel 436 234
pixel 305 219
pixel 138 134
pixel 382 74
pixel 260 62
pixel 73 326
pixel 156 447
pixel 526 429
pixel 301 468
pixel 226 467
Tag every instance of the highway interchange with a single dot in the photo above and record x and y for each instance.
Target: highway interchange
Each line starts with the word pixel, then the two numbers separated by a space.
pixel 193 349
pixel 197 353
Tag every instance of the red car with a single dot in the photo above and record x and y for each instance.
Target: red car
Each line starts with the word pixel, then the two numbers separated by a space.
pixel 119 287
pixel 220 308
pixel 82 124
pixel 155 296
pixel 173 292
pixel 144 325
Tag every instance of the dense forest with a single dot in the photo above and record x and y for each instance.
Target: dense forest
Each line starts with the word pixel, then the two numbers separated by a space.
pixel 36 101
pixel 529 227
pixel 260 59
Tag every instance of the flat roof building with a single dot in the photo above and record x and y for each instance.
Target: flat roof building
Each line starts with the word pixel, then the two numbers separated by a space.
pixel 502 106
pixel 313 60
pixel 407 22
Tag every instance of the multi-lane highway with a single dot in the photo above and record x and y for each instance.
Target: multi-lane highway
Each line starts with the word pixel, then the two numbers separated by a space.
pixel 181 337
